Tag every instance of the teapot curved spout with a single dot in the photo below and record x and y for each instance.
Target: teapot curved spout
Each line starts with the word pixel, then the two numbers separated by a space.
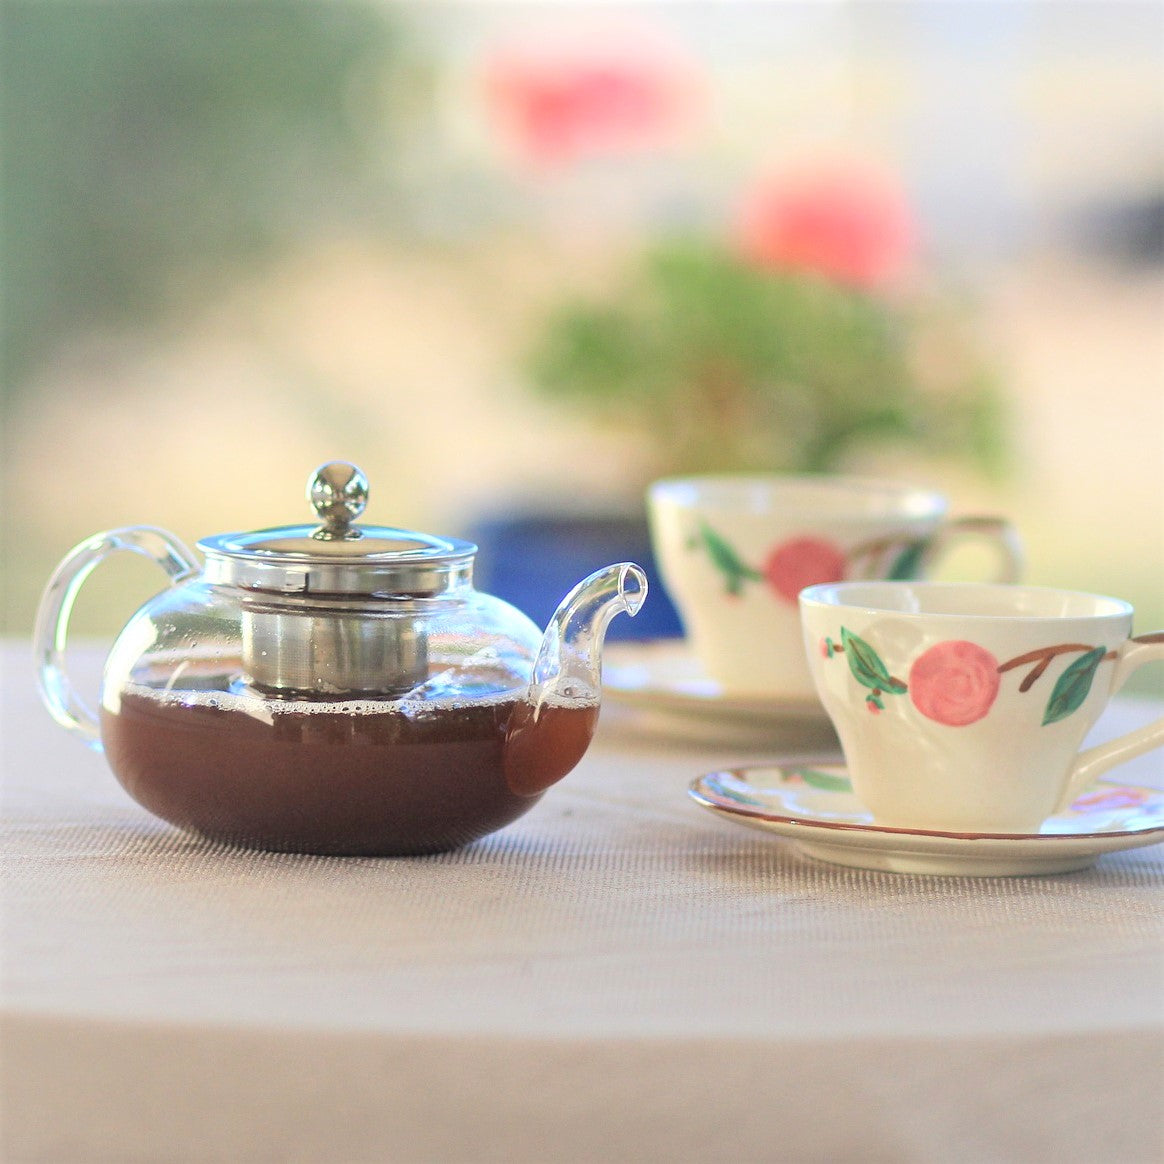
pixel 569 663
pixel 551 729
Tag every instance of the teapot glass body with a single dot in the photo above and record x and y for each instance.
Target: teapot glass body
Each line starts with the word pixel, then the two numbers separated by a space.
pixel 356 717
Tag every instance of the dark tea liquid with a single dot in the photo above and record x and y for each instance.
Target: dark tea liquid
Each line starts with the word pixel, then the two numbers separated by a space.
pixel 340 778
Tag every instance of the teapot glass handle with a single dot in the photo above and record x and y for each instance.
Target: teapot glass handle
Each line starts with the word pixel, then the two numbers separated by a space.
pixel 56 605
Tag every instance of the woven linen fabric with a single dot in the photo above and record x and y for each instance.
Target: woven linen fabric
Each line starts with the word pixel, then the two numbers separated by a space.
pixel 617 975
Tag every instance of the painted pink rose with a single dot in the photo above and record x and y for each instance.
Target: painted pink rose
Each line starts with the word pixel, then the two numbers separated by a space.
pixel 846 221
pixel 954 683
pixel 801 562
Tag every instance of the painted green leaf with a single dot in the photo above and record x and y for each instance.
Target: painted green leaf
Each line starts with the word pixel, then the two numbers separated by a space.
pixel 726 560
pixel 907 564
pixel 1073 685
pixel 825 781
pixel 867 666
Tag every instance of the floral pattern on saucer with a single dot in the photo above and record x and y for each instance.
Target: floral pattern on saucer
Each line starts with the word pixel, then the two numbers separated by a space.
pixel 814 806
pixel 1103 806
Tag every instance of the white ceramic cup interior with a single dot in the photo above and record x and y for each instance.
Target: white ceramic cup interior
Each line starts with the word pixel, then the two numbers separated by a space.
pixel 963 707
pixel 735 551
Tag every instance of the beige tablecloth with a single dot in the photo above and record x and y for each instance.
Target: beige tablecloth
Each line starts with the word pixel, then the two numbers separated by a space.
pixel 617 976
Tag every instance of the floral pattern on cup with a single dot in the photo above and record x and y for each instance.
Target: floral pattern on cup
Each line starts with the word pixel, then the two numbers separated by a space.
pixel 800 562
pixel 808 560
pixel 956 682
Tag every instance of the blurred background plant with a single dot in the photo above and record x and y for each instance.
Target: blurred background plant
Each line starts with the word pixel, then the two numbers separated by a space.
pixel 241 239
pixel 149 148
pixel 786 347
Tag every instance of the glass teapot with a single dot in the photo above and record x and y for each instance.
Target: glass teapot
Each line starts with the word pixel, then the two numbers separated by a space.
pixel 334 687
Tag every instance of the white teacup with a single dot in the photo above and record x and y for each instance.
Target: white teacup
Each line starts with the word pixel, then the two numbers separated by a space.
pixel 734 552
pixel 962 707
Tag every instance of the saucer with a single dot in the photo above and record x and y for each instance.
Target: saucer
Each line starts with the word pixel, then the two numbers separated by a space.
pixel 814 805
pixel 664 681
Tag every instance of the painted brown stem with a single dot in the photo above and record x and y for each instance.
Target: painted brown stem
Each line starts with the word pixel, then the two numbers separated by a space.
pixel 1034 674
pixel 1042 657
pixel 874 550
pixel 1046 653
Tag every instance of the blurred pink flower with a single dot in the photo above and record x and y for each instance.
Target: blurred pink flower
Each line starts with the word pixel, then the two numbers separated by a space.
pixel 561 97
pixel 847 222
pixel 800 562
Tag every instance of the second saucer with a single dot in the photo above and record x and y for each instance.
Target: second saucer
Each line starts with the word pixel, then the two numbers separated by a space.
pixel 664 685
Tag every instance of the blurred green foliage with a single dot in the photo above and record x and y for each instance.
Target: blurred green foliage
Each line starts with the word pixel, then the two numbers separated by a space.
pixel 724 366
pixel 145 145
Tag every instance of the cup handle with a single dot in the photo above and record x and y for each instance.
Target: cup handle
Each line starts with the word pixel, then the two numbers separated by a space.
pixel 50 634
pixel 996 530
pixel 1089 764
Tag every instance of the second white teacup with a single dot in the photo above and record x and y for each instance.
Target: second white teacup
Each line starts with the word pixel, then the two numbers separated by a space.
pixel 962 707
pixel 735 551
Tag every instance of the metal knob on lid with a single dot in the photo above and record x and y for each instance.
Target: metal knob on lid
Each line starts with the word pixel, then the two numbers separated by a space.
pixel 330 609
pixel 338 492
pixel 336 557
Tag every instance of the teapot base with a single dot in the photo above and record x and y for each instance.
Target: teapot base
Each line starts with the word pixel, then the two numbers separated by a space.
pixel 403 780
pixel 381 848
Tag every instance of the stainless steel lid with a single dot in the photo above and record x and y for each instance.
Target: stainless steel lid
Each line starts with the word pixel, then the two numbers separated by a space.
pixel 335 556
pixel 307 630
